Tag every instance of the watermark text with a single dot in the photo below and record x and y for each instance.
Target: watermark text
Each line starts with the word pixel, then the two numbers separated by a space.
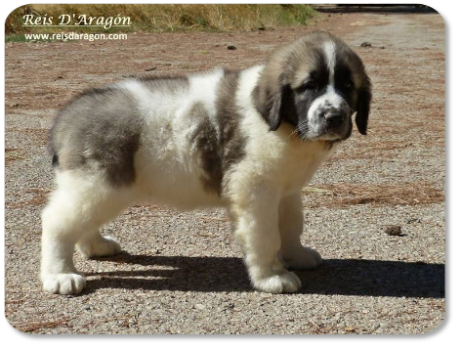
pixel 75 36
pixel 74 20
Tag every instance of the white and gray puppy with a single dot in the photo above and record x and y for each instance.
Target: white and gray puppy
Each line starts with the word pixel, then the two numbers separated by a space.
pixel 245 140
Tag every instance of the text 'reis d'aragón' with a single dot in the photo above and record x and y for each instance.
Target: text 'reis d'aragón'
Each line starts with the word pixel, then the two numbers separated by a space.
pixel 31 20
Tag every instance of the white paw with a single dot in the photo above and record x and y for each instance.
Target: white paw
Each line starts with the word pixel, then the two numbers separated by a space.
pixel 102 246
pixel 64 283
pixel 279 282
pixel 301 258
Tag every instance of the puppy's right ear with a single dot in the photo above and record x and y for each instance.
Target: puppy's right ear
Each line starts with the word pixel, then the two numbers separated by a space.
pixel 364 106
pixel 271 99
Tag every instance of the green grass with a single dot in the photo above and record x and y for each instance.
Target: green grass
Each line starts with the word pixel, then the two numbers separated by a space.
pixel 15 38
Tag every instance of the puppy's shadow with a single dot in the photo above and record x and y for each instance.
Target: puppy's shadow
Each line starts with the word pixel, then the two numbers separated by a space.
pixel 333 277
pixel 181 273
pixel 217 274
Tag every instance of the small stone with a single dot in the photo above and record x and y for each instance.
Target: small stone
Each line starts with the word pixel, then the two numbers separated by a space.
pixel 265 294
pixel 231 47
pixel 393 230
pixel 229 306
pixel 349 329
pixel 366 44
pixel 199 306
pixel 411 220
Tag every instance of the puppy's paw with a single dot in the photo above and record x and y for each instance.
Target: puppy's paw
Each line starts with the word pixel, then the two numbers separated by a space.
pixel 102 246
pixel 301 258
pixel 64 283
pixel 277 283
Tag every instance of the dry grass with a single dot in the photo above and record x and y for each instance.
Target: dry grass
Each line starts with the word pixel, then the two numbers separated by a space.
pixel 39 198
pixel 167 18
pixel 12 155
pixel 384 150
pixel 30 327
pixel 339 195
pixel 41 135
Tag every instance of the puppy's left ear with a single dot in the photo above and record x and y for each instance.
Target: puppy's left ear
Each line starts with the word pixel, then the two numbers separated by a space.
pixel 364 107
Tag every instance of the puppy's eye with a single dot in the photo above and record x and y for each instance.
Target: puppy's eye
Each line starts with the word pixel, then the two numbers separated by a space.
pixel 309 85
pixel 348 84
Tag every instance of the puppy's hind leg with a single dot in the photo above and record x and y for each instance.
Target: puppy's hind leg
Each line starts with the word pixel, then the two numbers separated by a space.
pixel 93 244
pixel 79 205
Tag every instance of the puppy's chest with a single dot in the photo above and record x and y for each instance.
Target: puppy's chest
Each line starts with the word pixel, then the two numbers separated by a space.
pixel 299 168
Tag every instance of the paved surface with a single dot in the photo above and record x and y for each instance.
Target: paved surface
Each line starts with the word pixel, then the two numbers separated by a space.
pixel 181 272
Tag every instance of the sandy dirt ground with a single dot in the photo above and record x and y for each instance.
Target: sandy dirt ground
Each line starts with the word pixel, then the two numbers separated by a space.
pixel 181 271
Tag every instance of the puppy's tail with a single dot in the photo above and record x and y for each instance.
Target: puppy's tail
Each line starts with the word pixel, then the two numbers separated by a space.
pixel 55 160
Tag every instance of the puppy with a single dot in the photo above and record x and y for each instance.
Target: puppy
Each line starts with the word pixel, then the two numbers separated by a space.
pixel 245 140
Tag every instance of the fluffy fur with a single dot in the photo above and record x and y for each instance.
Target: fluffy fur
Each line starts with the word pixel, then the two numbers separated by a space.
pixel 245 140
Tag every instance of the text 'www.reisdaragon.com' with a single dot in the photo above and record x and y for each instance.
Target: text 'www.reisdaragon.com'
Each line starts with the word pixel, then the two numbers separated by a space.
pixel 75 36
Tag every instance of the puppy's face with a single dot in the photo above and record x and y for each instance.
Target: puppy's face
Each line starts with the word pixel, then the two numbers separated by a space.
pixel 316 84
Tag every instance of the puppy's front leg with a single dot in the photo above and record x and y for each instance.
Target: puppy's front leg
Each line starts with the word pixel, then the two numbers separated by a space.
pixel 255 216
pixel 293 254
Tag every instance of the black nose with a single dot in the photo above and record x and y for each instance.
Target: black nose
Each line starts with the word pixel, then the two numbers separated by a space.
pixel 334 118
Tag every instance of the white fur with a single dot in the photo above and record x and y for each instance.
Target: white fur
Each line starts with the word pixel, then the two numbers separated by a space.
pixel 262 193
pixel 331 99
pixel 69 219
pixel 329 50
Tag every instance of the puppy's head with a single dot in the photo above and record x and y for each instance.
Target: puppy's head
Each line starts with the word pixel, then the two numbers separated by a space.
pixel 315 84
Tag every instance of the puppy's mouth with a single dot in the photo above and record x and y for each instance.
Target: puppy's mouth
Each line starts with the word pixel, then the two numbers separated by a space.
pixel 338 132
pixel 334 134
pixel 328 134
pixel 329 137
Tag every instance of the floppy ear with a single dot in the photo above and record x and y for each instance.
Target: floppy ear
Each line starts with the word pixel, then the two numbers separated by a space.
pixel 274 103
pixel 364 107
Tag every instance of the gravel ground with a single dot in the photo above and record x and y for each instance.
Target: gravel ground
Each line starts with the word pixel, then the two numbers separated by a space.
pixel 182 272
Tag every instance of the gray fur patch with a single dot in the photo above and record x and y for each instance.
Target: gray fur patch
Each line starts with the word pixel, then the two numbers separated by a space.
pixel 205 138
pixel 220 145
pixel 99 130
pixel 232 141
pixel 166 84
